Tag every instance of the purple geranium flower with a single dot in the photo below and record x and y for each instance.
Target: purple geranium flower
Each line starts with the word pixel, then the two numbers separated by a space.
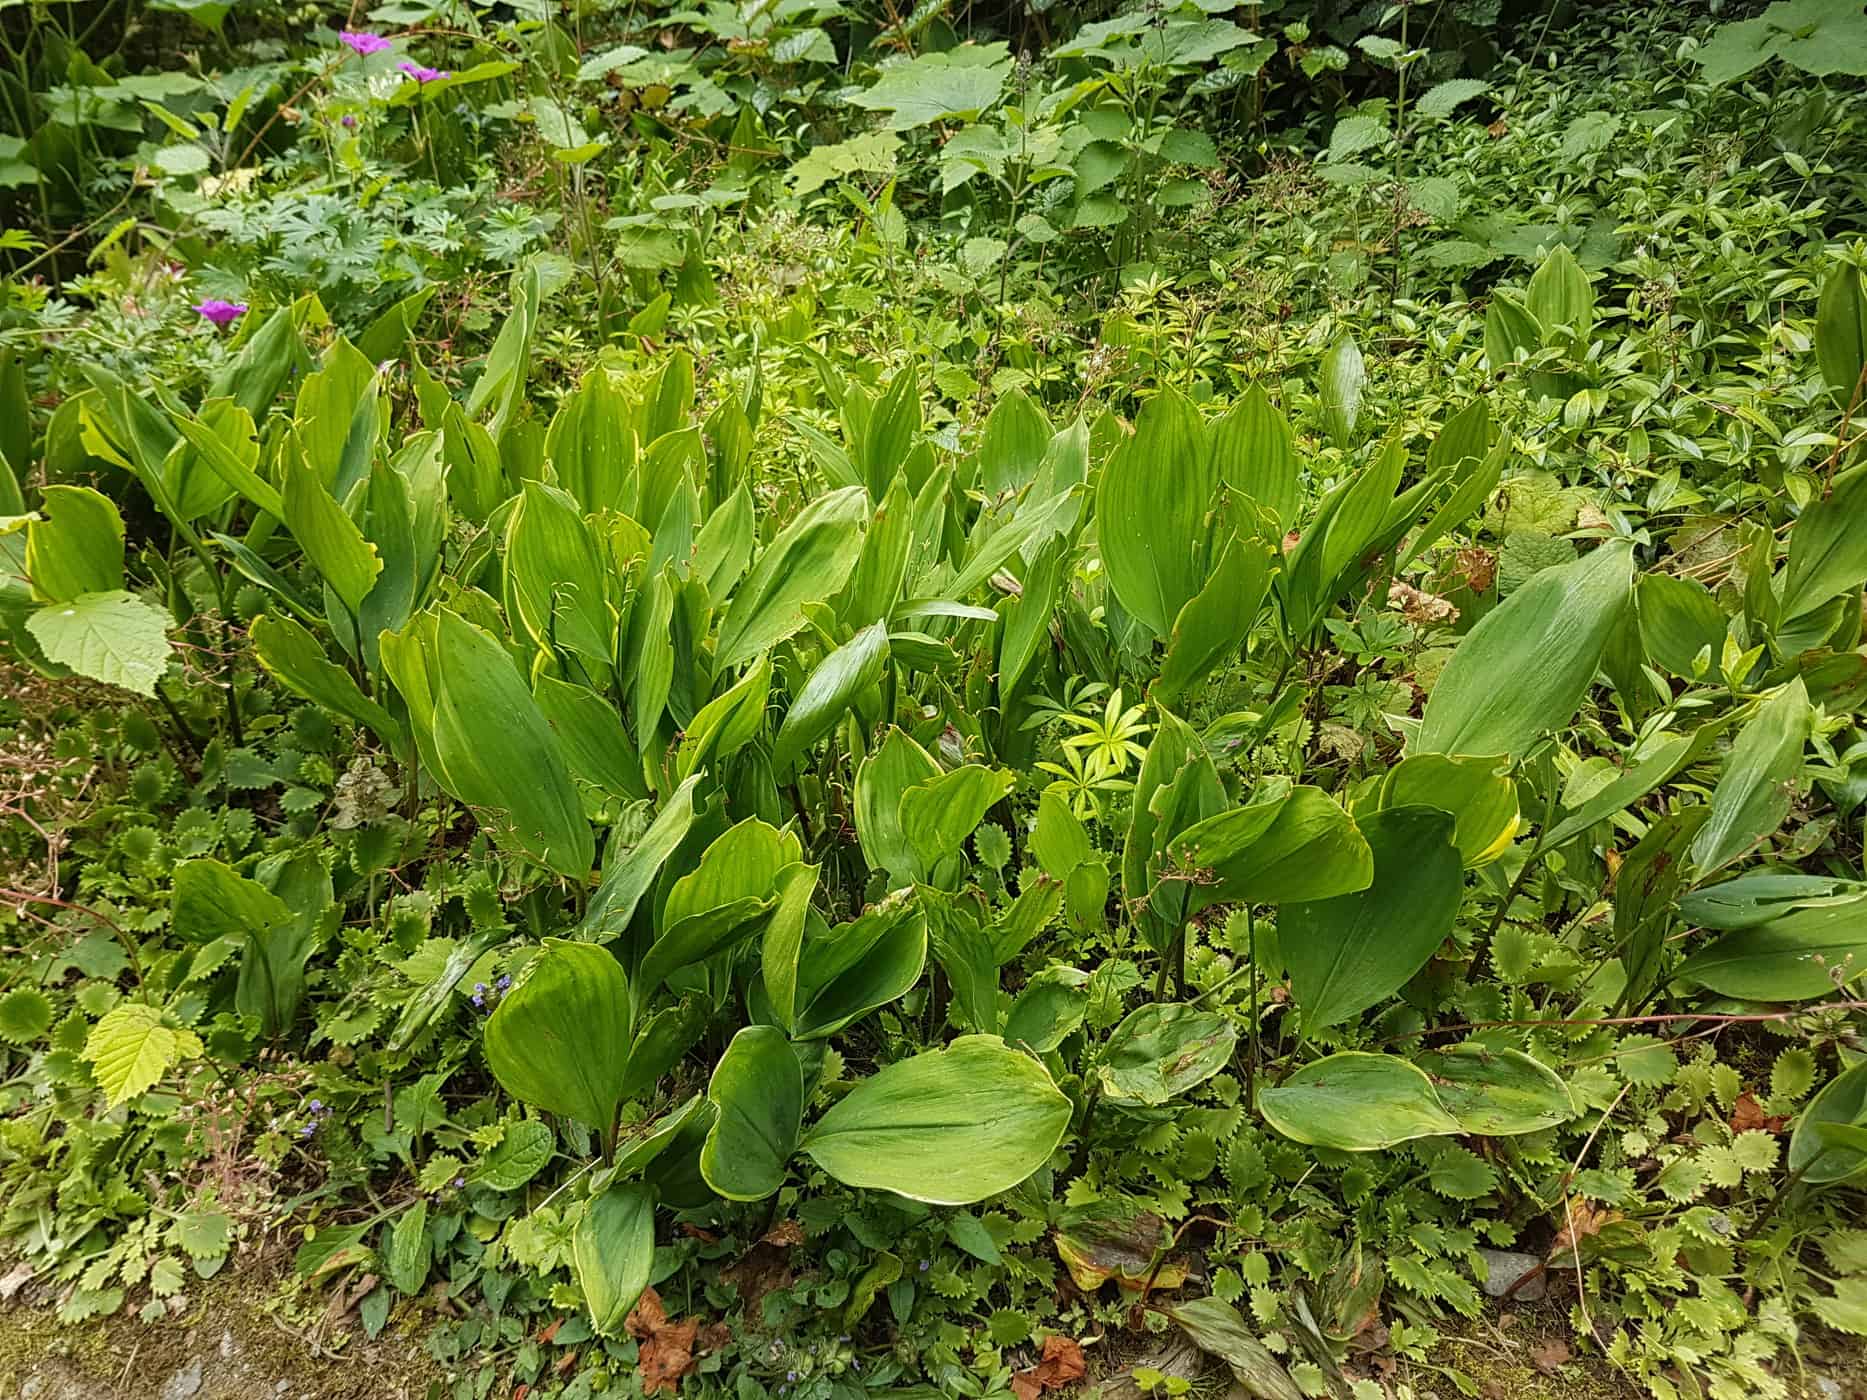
pixel 362 41
pixel 423 75
pixel 221 313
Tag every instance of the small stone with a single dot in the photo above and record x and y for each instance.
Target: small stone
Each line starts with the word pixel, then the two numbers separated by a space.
pixel 226 1344
pixel 1503 1270
pixel 1828 1388
pixel 32 1387
pixel 184 1383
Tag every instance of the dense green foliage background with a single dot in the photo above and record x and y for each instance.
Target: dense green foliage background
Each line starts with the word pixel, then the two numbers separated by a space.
pixel 812 701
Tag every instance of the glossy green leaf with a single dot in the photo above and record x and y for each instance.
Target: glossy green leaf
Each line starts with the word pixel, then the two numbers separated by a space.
pixel 293 657
pixel 1548 637
pixel 808 562
pixel 590 732
pixel 1478 792
pixel 1292 844
pixel 626 878
pixel 1841 332
pixel 938 814
pixel 1151 509
pixel 559 1039
pixel 1497 1093
pixel 1824 1159
pixel 555 577
pixel 209 900
pixel 758 1089
pixel 949 1127
pixel 1344 380
pixel 1348 952
pixel 1214 624
pixel 1758 785
pixel 75 546
pixel 1356 1102
pixel 884 776
pixel 830 693
pixel 329 537
pixel 1255 453
pixel 1827 547
pixel 613 1251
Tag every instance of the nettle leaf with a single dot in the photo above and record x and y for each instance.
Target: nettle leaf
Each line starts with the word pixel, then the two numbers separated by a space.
pixel 1441 99
pixel 132 1047
pixel 961 82
pixel 871 154
pixel 112 637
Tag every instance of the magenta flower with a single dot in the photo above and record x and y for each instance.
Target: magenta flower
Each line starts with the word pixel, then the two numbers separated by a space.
pixel 362 41
pixel 423 75
pixel 221 313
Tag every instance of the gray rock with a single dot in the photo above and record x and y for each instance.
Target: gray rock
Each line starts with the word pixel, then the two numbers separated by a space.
pixel 1828 1388
pixel 184 1383
pixel 1503 1269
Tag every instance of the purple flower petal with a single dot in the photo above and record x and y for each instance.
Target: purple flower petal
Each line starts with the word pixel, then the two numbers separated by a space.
pixel 362 41
pixel 221 313
pixel 421 74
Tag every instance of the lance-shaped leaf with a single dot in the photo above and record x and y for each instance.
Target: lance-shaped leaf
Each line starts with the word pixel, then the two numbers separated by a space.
pixel 329 537
pixel 495 749
pixel 627 877
pixel 1840 322
pixel 613 1250
pixel 758 1089
pixel 1758 784
pixel 596 746
pixel 559 1039
pixel 949 1127
pixel 1178 787
pixel 556 582
pixel 1151 509
pixel 210 900
pixel 1826 1157
pixel 292 656
pixel 1792 958
pixel 830 693
pixel 887 773
pixel 1255 452
pixel 1214 624
pixel 808 562
pixel 1348 952
pixel 1526 666
pixel 1356 1102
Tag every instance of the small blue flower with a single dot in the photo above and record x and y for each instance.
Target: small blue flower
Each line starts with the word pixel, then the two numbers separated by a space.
pixel 317 1106
pixel 479 986
pixel 926 1264
pixel 478 1000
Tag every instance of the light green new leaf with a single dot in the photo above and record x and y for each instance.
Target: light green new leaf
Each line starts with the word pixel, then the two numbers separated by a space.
pixel 931 87
pixel 1547 639
pixel 758 1088
pixel 520 1154
pixel 832 690
pixel 949 1127
pixel 1151 511
pixel 939 814
pixel 496 751
pixel 1758 785
pixel 555 575
pixel 410 1250
pixel 559 1039
pixel 1301 845
pixel 293 657
pixel 627 878
pixel 613 1251
pixel 807 563
pixel 209 900
pixel 112 637
pixel 1356 1102
pixel 1214 624
pixel 1344 379
pixel 885 775
pixel 131 1048
pixel 74 545
pixel 1478 792
pixel 329 537
pixel 596 746
pixel 1351 951
pixel 1255 453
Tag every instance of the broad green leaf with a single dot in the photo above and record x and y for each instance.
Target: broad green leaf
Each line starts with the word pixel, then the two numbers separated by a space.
pixel 1215 1326
pixel 1827 547
pixel 595 744
pixel 75 545
pixel 934 86
pixel 949 1127
pixel 1758 785
pixel 885 775
pixel 555 576
pixel 648 655
pixel 329 537
pixel 881 569
pixel 559 1039
pixel 1478 792
pixel 1791 958
pixel 1300 845
pixel 626 878
pixel 1497 1093
pixel 1214 624
pixel 1679 619
pixel 132 1047
pixel 1344 380
pixel 808 562
pixel 209 900
pixel 939 814
pixel 869 962
pixel 293 657
pixel 613 1251
pixel 1013 444
pixel 830 693
pixel 758 1089
pixel 1560 295
pixel 1662 759
pixel 112 637
pixel 1823 1159
pixel 1547 637
pixel 1060 842
pixel 726 723
pixel 496 751
pixel 411 1249
pixel 1162 1050
pixel 1151 511
pixel 1356 1102
pixel 1351 951
pixel 522 1151
pixel 1841 332
pixel 1049 1009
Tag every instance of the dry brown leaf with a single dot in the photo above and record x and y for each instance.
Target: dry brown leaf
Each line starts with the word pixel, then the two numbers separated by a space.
pixel 1479 566
pixel 1747 1116
pixel 666 1351
pixel 1420 608
pixel 785 1232
pixel 1062 1363
pixel 1550 1356
pixel 1581 1221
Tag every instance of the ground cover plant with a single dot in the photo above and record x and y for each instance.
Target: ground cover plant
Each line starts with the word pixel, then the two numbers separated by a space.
pixel 789 700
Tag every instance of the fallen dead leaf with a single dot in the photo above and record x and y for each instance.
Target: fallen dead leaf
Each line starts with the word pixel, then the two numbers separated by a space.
pixel 1581 1221
pixel 666 1350
pixel 786 1232
pixel 1550 1356
pixel 1747 1116
pixel 1062 1363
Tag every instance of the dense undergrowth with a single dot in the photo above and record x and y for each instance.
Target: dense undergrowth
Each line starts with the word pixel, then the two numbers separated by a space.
pixel 790 701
